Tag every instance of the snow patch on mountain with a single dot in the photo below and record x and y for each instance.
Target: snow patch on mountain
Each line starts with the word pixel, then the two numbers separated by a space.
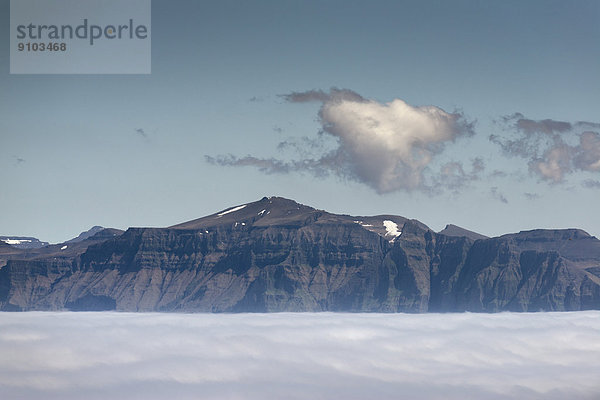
pixel 234 209
pixel 16 241
pixel 391 229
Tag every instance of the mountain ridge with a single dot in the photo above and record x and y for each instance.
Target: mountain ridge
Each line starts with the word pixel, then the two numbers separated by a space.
pixel 454 230
pixel 278 255
pixel 23 242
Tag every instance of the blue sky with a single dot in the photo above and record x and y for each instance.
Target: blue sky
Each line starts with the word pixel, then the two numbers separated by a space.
pixel 130 150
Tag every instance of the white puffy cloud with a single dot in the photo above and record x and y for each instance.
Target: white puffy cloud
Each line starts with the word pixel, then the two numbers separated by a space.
pixel 387 146
pixel 299 356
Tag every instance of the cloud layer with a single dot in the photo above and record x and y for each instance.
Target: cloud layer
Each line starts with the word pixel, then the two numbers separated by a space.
pixel 387 146
pixel 299 356
pixel 554 149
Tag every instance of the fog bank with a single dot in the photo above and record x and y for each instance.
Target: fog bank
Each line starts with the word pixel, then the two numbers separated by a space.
pixel 299 356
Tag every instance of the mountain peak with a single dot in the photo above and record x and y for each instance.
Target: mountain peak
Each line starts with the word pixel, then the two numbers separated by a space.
pixel 454 230
pixel 86 234
pixel 282 212
pixel 266 211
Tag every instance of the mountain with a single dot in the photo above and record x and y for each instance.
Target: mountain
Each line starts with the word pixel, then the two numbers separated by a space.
pixel 21 242
pixel 87 234
pixel 573 244
pixel 277 255
pixel 453 230
pixel 278 211
pixel 67 250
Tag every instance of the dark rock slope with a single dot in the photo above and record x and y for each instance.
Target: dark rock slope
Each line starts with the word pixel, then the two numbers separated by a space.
pixel 277 255
pixel 453 230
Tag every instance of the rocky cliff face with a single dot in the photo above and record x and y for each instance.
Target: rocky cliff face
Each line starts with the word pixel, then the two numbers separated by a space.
pixel 277 255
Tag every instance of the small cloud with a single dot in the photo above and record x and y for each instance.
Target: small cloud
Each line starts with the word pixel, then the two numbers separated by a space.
pixel 452 175
pixel 591 183
pixel 335 95
pixel 305 147
pixel 546 146
pixel 268 166
pixel 554 164
pixel 587 125
pixel 547 126
pixel 498 174
pixel 496 194
pixel 142 133
pixel 587 153
pixel 478 165
pixel 18 160
pixel 272 165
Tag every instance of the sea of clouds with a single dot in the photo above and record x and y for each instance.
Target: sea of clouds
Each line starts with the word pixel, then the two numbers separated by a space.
pixel 299 356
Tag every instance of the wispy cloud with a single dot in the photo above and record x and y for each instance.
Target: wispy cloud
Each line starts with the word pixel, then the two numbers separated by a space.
pixel 317 168
pixel 554 163
pixel 334 94
pixel 141 132
pixel 453 176
pixel 387 146
pixel 554 149
pixel 498 174
pixel 268 166
pixel 591 183
pixel 496 194
pixel 504 356
pixel 529 126
pixel 531 196
pixel 304 147
pixel 587 153
pixel 18 160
